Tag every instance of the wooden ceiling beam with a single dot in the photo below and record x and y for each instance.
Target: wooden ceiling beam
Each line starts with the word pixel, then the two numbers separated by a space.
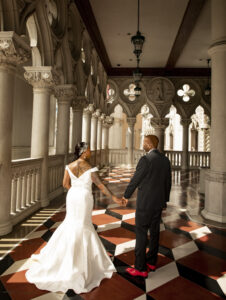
pixel 184 72
pixel 191 15
pixel 89 20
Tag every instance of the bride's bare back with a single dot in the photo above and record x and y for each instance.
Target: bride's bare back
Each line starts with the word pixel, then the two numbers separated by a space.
pixel 79 166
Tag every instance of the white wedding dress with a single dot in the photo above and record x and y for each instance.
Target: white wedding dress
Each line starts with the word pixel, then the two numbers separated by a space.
pixel 74 257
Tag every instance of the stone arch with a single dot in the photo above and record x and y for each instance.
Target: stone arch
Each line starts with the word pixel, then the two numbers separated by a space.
pixel 10 16
pixel 100 72
pixel 86 46
pixel 117 132
pixel 90 90
pixel 33 37
pixel 173 141
pixel 94 66
pixel 74 32
pixel 80 78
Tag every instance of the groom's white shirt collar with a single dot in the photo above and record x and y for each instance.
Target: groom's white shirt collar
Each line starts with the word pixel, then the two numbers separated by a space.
pixel 151 150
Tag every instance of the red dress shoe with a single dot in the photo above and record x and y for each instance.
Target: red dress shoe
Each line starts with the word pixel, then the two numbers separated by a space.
pixel 151 268
pixel 135 272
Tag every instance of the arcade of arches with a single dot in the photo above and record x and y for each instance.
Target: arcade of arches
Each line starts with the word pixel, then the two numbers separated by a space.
pixel 55 92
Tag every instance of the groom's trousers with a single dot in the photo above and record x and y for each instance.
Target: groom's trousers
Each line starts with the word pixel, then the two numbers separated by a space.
pixel 143 224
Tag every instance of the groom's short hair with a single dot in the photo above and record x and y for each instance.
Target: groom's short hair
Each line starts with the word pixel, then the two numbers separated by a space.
pixel 153 139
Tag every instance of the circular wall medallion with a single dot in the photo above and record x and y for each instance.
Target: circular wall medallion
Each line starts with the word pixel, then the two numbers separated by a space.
pixel 160 89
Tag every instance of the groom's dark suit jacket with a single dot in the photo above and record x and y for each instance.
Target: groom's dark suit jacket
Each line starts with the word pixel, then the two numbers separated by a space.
pixel 153 179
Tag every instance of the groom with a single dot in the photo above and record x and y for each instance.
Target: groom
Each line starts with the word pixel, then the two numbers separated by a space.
pixel 153 179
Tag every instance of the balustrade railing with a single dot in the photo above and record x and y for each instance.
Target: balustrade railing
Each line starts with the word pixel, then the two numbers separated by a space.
pixel 195 159
pixel 25 186
pixel 26 175
pixel 118 156
pixel 175 158
pixel 56 173
pixel 199 159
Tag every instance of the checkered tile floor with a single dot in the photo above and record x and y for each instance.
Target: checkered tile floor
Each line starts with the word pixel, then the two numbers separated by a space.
pixel 191 263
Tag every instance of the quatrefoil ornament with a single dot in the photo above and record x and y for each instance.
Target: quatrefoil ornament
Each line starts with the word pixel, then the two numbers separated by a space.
pixel 186 93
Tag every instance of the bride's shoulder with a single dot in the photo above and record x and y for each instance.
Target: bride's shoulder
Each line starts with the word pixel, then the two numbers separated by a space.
pixel 83 165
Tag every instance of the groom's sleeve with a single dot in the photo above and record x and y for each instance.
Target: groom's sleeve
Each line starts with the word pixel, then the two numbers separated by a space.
pixel 141 170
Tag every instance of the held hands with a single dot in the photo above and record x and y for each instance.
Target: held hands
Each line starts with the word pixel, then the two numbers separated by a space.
pixel 120 201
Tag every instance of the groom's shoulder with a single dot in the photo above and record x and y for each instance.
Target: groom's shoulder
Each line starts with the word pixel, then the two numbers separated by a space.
pixel 143 160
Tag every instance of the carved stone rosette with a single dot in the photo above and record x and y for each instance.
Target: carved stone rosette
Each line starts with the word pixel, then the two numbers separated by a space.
pixel 41 77
pixel 65 93
pixel 160 123
pixel 13 49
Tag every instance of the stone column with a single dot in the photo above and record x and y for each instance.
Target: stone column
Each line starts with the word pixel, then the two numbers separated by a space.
pixel 99 131
pixel 77 108
pixel 64 94
pixel 215 186
pixel 184 159
pixel 52 121
pixel 42 78
pixel 86 123
pixel 160 124
pixel 13 51
pixel 108 122
pixel 93 138
pixel 99 138
pixel 131 122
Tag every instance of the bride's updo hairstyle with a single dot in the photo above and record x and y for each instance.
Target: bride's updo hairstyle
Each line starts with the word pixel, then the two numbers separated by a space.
pixel 79 149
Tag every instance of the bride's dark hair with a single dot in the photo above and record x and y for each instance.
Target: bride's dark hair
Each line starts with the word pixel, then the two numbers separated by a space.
pixel 80 148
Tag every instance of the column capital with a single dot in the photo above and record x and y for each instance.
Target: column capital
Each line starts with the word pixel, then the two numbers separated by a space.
pixel 219 46
pixel 41 76
pixel 108 121
pixel 65 93
pixel 13 49
pixel 96 114
pixel 131 121
pixel 160 123
pixel 79 103
pixel 102 117
pixel 89 109
pixel 185 122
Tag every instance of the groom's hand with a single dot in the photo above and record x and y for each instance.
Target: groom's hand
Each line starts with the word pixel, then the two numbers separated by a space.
pixel 120 201
pixel 125 201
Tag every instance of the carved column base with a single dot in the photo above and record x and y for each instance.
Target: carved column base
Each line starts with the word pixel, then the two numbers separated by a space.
pixel 215 191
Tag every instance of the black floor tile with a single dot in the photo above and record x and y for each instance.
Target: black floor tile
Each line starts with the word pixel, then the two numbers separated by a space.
pixel 5 263
pixel 179 231
pixel 210 250
pixel 49 223
pixel 3 293
pixel 47 235
pixel 108 245
pixel 128 226
pixel 113 214
pixel 200 279
pixel 166 252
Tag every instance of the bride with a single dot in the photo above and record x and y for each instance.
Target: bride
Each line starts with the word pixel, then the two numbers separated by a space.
pixel 74 257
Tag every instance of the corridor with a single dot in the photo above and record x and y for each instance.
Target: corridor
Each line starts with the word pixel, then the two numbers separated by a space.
pixel 191 262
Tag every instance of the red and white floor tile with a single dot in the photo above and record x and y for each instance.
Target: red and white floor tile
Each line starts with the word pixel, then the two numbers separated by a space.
pixel 191 260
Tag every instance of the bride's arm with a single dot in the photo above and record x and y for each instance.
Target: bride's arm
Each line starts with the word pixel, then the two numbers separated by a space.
pixel 96 179
pixel 66 180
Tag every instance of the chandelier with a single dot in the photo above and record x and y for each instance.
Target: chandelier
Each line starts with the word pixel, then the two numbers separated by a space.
pixel 138 41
